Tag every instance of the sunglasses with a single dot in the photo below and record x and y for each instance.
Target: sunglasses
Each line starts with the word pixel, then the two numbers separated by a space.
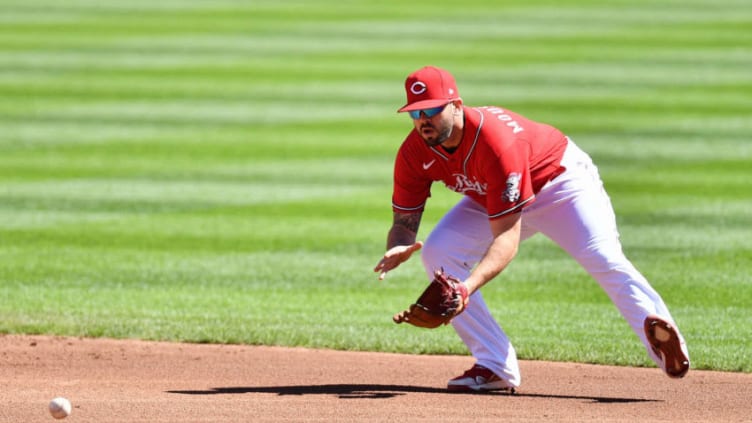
pixel 415 114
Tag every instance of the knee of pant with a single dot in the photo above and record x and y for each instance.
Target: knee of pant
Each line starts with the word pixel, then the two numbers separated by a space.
pixel 601 261
pixel 437 255
pixel 432 254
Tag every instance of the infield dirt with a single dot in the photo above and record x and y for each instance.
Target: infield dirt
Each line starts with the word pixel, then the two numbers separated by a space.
pixel 137 381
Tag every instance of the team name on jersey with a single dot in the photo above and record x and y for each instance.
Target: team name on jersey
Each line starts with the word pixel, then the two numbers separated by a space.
pixel 463 184
pixel 505 117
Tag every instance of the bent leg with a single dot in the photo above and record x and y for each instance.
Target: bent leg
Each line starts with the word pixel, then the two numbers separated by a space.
pixel 457 243
pixel 576 213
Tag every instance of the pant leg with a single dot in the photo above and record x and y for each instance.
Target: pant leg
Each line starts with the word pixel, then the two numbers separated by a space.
pixel 576 213
pixel 457 243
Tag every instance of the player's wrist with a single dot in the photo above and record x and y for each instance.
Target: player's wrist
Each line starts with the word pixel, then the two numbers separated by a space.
pixel 470 285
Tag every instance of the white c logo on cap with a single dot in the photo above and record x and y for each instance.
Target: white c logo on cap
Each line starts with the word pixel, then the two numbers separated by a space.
pixel 418 88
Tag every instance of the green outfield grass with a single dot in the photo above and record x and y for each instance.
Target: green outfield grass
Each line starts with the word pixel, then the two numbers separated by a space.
pixel 220 171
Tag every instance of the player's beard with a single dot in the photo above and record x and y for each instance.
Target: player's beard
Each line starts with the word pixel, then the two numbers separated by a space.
pixel 438 134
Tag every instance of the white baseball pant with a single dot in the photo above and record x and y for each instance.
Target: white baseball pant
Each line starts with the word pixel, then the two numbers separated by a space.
pixel 575 212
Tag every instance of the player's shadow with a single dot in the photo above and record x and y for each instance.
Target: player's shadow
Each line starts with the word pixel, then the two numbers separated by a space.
pixel 373 391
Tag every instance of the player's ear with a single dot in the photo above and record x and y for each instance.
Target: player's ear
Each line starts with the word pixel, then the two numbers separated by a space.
pixel 457 104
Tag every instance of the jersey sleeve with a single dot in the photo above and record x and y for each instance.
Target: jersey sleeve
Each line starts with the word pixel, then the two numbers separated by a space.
pixel 510 186
pixel 411 187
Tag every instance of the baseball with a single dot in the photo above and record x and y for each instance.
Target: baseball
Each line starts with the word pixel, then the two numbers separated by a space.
pixel 60 408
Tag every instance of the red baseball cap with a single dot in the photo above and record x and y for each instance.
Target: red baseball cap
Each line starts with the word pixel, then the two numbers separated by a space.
pixel 429 87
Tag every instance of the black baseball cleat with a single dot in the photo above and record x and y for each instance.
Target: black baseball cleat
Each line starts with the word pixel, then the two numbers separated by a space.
pixel 668 345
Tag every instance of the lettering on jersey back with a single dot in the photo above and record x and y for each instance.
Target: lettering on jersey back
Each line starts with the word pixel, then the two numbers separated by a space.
pixel 504 117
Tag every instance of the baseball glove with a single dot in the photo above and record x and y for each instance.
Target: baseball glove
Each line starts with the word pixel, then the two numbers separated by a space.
pixel 444 298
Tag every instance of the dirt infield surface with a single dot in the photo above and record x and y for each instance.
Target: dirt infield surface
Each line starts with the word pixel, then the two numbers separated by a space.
pixel 135 381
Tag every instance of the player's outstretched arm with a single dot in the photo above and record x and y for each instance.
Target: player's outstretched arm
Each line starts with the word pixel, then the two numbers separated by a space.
pixel 401 242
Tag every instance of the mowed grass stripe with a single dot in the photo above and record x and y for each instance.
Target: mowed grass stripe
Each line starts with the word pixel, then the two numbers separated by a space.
pixel 184 170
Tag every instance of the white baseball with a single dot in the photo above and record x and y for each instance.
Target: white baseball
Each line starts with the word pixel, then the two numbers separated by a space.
pixel 60 408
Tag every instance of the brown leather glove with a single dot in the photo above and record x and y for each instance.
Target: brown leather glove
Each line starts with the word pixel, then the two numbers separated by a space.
pixel 444 298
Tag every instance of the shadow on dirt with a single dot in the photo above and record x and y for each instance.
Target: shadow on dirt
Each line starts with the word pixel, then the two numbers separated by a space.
pixel 348 391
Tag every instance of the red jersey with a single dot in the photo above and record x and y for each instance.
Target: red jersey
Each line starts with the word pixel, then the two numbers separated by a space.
pixel 504 159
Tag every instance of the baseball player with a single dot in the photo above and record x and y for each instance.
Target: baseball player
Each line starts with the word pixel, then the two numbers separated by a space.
pixel 518 177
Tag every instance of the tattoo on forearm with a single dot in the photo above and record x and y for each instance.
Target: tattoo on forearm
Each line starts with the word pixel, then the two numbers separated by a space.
pixel 410 221
pixel 404 229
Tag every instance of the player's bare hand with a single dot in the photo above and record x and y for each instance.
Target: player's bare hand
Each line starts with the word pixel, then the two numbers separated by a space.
pixel 394 257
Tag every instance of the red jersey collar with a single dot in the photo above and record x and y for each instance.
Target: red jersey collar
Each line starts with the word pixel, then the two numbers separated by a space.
pixel 471 132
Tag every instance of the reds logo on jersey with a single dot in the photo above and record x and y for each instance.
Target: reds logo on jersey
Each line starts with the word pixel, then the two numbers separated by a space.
pixel 464 184
pixel 512 193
